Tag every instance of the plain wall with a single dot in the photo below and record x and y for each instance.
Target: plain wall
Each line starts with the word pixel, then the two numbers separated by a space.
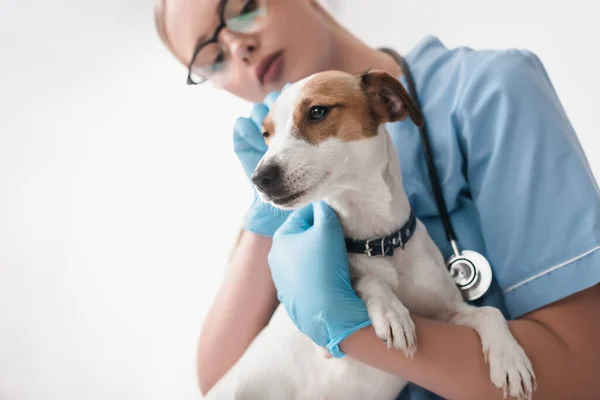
pixel 121 196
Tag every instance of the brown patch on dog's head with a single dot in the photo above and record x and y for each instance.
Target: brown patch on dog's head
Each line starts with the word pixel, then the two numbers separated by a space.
pixel 354 106
pixel 347 116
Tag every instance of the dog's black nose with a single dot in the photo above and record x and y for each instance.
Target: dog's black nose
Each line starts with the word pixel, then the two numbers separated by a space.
pixel 266 178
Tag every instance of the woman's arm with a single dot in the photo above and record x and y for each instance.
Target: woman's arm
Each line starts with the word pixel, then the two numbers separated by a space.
pixel 561 340
pixel 243 306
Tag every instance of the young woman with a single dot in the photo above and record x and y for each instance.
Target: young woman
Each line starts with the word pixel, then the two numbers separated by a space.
pixel 517 185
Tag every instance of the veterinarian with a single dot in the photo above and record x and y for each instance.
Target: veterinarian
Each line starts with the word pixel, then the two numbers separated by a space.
pixel 515 180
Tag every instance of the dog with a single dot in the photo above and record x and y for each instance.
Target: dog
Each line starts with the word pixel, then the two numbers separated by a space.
pixel 327 141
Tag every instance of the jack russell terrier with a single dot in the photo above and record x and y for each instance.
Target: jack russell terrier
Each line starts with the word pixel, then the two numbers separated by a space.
pixel 327 141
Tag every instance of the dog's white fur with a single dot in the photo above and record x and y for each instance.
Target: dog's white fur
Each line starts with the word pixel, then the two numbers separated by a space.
pixel 361 181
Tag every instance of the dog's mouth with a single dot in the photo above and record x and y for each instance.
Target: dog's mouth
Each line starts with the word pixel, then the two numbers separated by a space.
pixel 291 200
pixel 287 201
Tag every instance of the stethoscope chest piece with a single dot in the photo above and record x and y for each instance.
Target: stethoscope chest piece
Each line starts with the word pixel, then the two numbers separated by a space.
pixel 471 272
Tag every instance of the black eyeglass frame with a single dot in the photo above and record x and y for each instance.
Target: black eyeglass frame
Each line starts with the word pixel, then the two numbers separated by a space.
pixel 213 39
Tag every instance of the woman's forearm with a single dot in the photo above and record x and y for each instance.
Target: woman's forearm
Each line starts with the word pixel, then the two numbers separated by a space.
pixel 243 306
pixel 449 361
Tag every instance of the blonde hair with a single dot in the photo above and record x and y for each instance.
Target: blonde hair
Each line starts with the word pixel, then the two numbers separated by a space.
pixel 161 27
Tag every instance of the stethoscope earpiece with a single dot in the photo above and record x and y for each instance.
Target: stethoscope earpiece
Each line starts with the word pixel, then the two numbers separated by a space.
pixel 470 270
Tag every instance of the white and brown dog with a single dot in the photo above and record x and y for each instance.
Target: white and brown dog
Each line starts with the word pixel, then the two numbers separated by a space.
pixel 327 141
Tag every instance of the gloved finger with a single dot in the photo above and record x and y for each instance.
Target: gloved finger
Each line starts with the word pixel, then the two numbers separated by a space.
pixel 323 213
pixel 245 130
pixel 299 221
pixel 270 98
pixel 258 114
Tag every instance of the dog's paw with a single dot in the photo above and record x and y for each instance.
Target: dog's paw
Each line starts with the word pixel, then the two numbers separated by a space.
pixel 392 323
pixel 510 368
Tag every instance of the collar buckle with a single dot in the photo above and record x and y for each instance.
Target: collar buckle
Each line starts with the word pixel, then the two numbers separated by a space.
pixel 368 249
pixel 397 241
pixel 385 245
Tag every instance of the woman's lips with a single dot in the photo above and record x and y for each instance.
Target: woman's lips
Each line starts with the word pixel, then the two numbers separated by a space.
pixel 270 68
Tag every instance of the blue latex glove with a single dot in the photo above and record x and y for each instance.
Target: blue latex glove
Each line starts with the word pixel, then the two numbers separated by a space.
pixel 309 265
pixel 250 146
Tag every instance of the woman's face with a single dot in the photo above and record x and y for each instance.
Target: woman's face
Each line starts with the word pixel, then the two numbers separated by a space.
pixel 295 41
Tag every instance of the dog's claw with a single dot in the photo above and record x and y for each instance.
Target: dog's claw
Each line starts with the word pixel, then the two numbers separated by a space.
pixel 511 370
pixel 393 325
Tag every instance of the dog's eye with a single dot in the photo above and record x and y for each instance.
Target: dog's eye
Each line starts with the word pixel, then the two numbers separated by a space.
pixel 266 134
pixel 317 113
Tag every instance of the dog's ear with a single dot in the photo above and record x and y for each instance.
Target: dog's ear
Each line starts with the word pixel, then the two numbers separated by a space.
pixel 388 98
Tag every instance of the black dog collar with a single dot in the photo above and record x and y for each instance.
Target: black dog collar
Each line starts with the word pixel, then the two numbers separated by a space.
pixel 384 246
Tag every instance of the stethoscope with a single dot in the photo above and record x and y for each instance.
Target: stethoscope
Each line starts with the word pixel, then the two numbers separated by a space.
pixel 470 270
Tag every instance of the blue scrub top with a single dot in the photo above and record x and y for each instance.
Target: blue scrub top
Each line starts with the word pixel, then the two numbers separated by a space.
pixel 515 179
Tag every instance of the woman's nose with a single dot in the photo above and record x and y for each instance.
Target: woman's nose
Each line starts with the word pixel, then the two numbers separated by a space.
pixel 242 47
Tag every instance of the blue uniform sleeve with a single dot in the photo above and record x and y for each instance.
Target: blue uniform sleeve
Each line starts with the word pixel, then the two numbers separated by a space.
pixel 537 199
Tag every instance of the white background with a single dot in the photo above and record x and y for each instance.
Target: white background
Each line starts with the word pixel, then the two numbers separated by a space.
pixel 120 195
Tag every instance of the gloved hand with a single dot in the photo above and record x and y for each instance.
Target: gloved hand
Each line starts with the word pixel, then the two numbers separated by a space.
pixel 250 146
pixel 309 265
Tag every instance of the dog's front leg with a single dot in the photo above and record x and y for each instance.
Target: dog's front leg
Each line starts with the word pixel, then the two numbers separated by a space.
pixel 390 318
pixel 510 368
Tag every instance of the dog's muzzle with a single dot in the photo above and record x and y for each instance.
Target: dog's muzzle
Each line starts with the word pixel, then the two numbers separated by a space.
pixel 269 180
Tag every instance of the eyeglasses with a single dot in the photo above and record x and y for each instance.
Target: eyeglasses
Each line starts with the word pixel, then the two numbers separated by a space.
pixel 210 58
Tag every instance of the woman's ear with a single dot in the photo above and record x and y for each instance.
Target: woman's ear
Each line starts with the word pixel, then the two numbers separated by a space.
pixel 388 98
